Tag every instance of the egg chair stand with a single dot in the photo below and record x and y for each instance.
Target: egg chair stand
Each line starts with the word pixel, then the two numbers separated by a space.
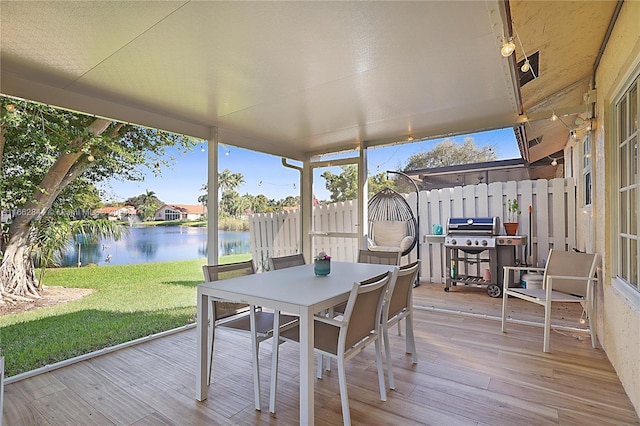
pixel 392 224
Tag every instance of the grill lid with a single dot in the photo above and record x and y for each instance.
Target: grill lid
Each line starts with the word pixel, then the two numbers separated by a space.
pixel 473 226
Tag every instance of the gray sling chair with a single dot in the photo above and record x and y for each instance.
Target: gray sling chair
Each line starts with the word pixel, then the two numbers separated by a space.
pixel 237 316
pixel 398 305
pixel 281 262
pixel 374 257
pixel 569 277
pixel 287 261
pixel 343 338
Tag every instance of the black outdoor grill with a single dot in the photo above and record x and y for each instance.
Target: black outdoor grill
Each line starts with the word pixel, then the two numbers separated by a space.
pixel 475 253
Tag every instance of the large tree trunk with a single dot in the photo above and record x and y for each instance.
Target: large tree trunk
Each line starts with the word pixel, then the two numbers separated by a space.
pixel 17 280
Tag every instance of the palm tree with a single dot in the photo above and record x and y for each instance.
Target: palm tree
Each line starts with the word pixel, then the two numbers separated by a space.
pixel 204 198
pixel 149 204
pixel 88 231
pixel 228 181
pixel 52 238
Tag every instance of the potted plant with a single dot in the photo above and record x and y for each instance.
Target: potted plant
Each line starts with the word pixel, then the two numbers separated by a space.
pixel 322 264
pixel 513 211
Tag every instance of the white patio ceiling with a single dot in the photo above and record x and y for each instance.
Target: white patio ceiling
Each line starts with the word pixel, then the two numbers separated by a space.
pixel 286 78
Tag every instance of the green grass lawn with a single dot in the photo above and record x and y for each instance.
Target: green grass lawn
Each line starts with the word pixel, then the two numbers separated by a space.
pixel 129 302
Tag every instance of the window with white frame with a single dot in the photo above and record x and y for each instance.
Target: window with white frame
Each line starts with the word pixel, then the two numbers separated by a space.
pixel 626 114
pixel 586 170
pixel 171 215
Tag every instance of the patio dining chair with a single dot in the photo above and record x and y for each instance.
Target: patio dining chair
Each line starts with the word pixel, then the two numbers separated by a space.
pixel 287 261
pixel 374 257
pixel 281 262
pixel 344 337
pixel 398 305
pixel 237 317
pixel 569 277
pixel 379 257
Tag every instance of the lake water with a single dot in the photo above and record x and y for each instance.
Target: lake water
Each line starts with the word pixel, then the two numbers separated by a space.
pixel 157 244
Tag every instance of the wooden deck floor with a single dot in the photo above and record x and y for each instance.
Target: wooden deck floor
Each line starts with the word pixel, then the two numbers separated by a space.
pixel 469 373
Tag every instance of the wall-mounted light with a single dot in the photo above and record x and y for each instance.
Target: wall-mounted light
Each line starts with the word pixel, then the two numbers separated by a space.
pixel 508 47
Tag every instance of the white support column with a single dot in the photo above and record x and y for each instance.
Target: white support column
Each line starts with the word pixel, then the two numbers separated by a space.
pixel 1 386
pixel 363 198
pixel 306 209
pixel 212 201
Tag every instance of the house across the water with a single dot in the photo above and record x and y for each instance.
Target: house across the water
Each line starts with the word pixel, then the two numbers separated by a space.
pixel 180 212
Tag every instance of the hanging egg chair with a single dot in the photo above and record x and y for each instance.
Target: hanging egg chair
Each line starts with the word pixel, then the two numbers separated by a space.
pixel 392 225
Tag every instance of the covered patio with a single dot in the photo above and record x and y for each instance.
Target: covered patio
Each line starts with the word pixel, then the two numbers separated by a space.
pixel 304 80
pixel 469 373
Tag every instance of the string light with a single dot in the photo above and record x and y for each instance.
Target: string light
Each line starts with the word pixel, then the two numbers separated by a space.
pixel 260 183
pixel 228 151
pixel 508 47
pixel 526 67
pixel 10 107
pixel 91 158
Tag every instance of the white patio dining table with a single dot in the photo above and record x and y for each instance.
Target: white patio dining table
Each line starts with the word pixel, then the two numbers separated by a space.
pixel 295 290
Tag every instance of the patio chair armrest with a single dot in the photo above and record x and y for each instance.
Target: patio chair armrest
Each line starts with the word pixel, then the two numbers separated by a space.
pixel 524 268
pixel 551 278
pixel 570 277
pixel 330 321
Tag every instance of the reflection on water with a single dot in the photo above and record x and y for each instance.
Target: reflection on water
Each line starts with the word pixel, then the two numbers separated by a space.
pixel 156 244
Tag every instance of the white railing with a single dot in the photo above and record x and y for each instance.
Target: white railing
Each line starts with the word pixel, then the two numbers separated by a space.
pixel 552 222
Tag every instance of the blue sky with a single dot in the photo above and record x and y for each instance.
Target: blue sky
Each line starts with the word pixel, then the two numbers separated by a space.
pixel 264 174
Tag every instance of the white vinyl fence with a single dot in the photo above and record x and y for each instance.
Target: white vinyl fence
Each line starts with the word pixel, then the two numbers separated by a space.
pixel 550 224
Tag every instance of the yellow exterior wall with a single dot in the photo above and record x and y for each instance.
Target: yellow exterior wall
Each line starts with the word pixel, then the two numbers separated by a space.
pixel 618 306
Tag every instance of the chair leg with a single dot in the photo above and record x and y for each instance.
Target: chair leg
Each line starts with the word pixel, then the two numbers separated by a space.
pixel 254 352
pixel 319 366
pixel 592 331
pixel 387 353
pixel 399 329
pixel 505 297
pixel 547 325
pixel 344 397
pixel 411 340
pixel 212 335
pixel 383 389
pixel 274 361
